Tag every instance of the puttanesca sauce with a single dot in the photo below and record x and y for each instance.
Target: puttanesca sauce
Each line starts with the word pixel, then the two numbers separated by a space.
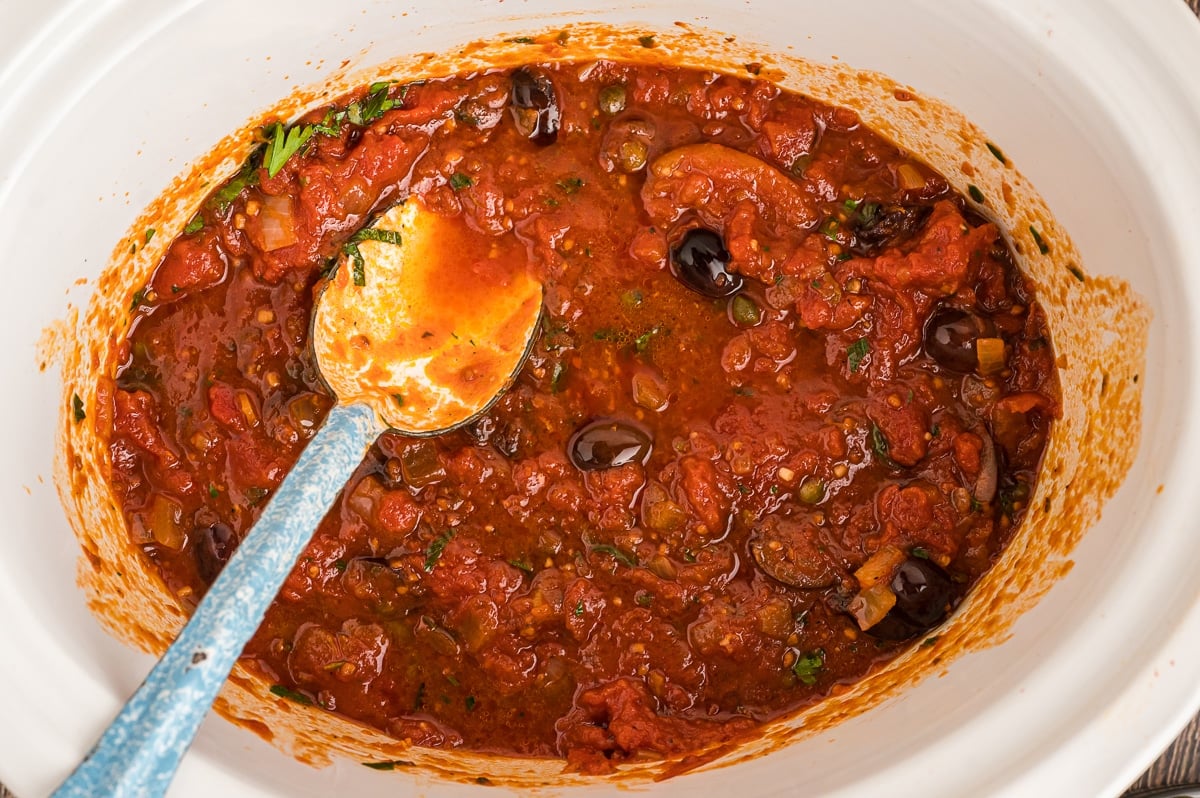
pixel 787 404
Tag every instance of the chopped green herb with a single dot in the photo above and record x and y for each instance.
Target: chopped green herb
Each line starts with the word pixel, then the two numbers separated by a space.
pixel 1078 272
pixel 850 205
pixel 391 765
pixel 254 495
pixel 920 552
pixel 615 553
pixel 434 552
pixel 521 565
pixel 604 334
pixel 377 234
pixel 929 641
pixel 552 202
pixel 194 226
pixel 879 445
pixel 996 152
pixel 470 703
pixel 633 298
pixel 340 565
pixel 936 431
pixel 398 399
pixel 829 228
pixel 742 390
pixel 290 694
pixel 522 40
pixel 133 249
pixel 246 177
pixel 77 408
pixel 646 41
pixel 374 106
pixel 855 354
pixel 358 267
pixel 570 185
pixel 459 181
pixel 283 144
pixel 578 611
pixel 975 193
pixel 331 125
pixel 809 666
pixel 1042 246
pixel 212 491
pixel 976 505
pixel 149 234
pixel 139 296
pixel 643 599
pixel 643 341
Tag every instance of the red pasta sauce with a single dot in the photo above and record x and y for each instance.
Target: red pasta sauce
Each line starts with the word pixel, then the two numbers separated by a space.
pixel 787 404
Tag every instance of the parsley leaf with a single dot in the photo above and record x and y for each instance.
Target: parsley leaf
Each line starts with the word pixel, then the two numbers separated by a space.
pixel 879 445
pixel 616 554
pixel 376 234
pixel 459 181
pixel 375 105
pixel 570 185
pixel 856 352
pixel 434 552
pixel 246 177
pixel 194 226
pixel 809 666
pixel 283 145
pixel 358 267
pixel 77 408
pixel 290 694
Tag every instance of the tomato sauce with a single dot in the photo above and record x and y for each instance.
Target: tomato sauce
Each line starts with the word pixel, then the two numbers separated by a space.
pixel 787 404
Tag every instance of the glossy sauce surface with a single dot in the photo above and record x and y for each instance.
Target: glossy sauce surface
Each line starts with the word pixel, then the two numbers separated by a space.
pixel 729 479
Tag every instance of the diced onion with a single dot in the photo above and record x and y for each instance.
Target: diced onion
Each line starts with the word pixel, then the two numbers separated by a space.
pixel 880 567
pixel 990 353
pixel 870 606
pixel 277 225
pixel 909 177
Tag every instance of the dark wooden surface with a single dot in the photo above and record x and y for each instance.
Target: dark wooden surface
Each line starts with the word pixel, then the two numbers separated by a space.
pixel 1179 764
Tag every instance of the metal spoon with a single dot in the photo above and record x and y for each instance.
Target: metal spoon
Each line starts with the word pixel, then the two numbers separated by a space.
pixel 395 358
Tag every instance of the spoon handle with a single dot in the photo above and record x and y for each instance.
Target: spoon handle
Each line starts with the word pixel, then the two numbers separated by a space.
pixel 140 751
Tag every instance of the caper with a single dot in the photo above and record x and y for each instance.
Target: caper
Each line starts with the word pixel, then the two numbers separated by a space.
pixel 745 311
pixel 631 155
pixel 812 490
pixel 612 99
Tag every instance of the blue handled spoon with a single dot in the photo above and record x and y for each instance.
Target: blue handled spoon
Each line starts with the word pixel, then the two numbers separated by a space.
pixel 395 359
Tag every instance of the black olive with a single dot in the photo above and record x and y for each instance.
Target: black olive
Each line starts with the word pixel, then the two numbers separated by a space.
pixel 214 547
pixel 950 336
pixel 701 262
pixel 924 592
pixel 534 107
pixel 877 227
pixel 608 444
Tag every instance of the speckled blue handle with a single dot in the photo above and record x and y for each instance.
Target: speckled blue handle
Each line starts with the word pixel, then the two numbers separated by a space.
pixel 140 751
